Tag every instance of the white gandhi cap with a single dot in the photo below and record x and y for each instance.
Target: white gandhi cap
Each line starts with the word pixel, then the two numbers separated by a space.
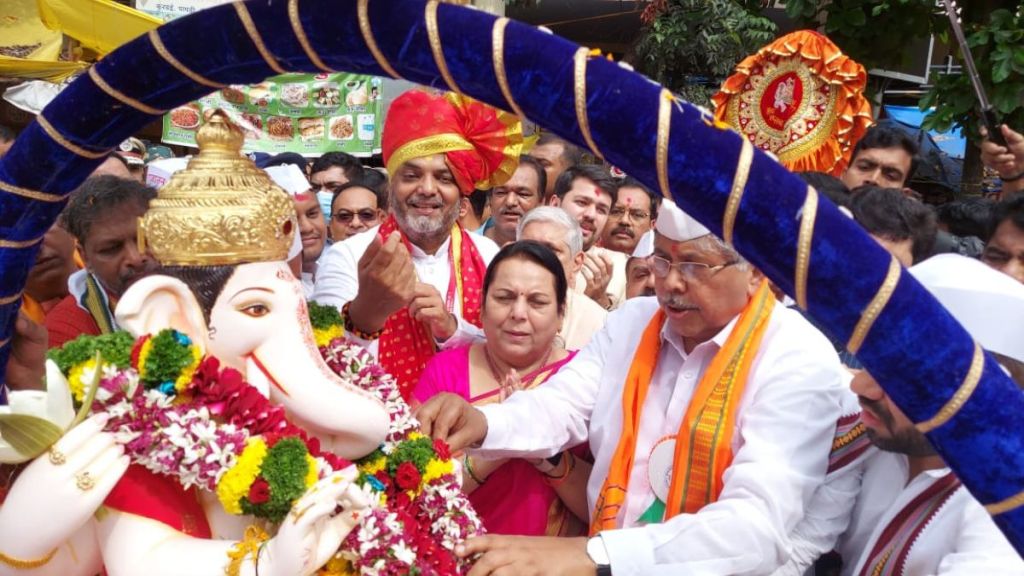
pixel 988 303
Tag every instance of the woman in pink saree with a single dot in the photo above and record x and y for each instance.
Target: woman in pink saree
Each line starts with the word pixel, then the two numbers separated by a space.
pixel 524 303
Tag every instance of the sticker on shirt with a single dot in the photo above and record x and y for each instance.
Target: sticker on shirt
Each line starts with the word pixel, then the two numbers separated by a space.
pixel 659 475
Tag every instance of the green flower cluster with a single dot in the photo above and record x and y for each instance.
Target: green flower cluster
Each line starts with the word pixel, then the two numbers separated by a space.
pixel 114 348
pixel 324 317
pixel 286 473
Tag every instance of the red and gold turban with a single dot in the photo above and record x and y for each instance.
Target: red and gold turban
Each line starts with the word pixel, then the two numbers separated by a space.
pixel 801 99
pixel 481 144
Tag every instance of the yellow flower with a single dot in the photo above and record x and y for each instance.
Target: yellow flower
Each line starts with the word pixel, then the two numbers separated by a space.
pixel 235 483
pixel 311 475
pixel 415 435
pixel 147 347
pixel 435 469
pixel 325 336
pixel 375 466
pixel 186 375
pixel 75 378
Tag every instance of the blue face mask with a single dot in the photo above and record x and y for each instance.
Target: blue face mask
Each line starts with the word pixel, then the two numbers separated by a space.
pixel 324 198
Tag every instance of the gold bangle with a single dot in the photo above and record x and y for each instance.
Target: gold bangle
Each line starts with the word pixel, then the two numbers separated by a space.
pixel 27 564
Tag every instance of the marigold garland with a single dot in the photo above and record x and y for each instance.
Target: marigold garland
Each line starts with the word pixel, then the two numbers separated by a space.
pixel 327 323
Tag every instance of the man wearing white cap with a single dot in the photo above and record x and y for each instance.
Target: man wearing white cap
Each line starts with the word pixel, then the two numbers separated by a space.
pixel 907 513
pixel 709 410
pixel 639 277
pixel 312 224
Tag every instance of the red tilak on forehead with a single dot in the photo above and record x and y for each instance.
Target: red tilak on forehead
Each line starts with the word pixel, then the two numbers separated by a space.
pixel 302 197
pixel 598 192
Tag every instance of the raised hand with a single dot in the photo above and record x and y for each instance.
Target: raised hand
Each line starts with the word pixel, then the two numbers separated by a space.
pixel 312 533
pixel 428 307
pixel 1007 160
pixel 387 282
pixel 451 418
pixel 597 269
pixel 61 490
pixel 512 384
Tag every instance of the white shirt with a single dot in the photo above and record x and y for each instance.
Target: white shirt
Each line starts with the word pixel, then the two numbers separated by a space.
pixel 827 515
pixel 337 277
pixel 961 537
pixel 583 319
pixel 784 429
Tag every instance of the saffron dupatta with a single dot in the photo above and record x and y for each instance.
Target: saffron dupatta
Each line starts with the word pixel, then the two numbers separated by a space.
pixel 703 449
pixel 405 344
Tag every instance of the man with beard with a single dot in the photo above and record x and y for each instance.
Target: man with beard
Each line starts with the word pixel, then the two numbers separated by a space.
pixel 415 281
pixel 103 217
pixel 587 194
pixel 709 410
pixel 514 198
pixel 634 213
pixel 909 510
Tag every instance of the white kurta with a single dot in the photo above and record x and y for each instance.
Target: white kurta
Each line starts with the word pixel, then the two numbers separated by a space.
pixel 583 319
pixel 960 539
pixel 828 514
pixel 781 442
pixel 337 278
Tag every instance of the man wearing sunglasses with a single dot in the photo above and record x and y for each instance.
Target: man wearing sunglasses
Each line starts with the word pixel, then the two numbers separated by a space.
pixel 709 409
pixel 354 209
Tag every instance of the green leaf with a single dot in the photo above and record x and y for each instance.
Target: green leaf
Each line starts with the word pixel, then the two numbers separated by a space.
pixel 29 435
pixel 1001 71
pixel 856 18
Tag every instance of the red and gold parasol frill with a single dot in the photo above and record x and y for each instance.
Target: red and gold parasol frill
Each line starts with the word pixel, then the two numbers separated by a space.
pixel 801 99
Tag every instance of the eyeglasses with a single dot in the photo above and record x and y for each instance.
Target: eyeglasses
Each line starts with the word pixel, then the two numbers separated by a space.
pixel 690 271
pixel 365 215
pixel 332 187
pixel 634 214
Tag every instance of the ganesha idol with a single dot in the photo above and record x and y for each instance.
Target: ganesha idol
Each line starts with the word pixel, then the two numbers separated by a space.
pixel 253 449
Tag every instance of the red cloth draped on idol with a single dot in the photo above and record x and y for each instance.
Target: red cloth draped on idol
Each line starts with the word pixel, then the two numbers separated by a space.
pixel 801 99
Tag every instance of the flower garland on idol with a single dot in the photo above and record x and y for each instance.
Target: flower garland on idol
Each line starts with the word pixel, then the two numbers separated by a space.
pixel 180 414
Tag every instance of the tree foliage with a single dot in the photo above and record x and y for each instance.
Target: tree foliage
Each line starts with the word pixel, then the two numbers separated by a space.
pixel 691 46
pixel 877 33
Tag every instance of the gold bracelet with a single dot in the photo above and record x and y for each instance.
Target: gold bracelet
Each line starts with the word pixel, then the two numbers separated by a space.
pixel 27 564
pixel 248 546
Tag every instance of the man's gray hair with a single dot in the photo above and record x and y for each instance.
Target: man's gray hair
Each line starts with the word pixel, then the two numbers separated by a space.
pixel 713 243
pixel 573 234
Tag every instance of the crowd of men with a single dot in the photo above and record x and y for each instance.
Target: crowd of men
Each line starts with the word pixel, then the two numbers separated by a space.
pixel 800 474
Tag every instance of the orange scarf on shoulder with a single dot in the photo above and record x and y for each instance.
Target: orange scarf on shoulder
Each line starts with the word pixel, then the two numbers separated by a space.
pixel 703 449
pixel 407 345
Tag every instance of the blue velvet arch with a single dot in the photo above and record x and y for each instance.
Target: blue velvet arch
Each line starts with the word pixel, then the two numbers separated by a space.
pixel 925 360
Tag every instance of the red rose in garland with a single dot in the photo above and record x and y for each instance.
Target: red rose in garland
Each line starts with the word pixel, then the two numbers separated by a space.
pixel 407 476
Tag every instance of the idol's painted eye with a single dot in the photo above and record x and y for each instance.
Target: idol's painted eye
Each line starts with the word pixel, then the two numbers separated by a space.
pixel 256 310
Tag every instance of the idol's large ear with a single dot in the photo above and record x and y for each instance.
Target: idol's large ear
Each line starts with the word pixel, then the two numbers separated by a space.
pixel 158 302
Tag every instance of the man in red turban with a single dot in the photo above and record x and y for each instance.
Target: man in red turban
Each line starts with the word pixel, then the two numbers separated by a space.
pixel 415 281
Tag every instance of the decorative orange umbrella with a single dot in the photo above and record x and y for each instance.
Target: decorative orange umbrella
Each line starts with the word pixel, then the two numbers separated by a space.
pixel 799 98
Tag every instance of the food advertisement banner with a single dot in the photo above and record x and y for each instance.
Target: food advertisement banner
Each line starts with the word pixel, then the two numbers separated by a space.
pixel 305 113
